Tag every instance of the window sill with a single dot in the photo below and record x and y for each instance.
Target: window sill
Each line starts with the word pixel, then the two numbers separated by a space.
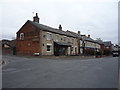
pixel 48 51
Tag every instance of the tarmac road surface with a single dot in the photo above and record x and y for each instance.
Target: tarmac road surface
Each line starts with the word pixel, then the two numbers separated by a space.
pixel 32 72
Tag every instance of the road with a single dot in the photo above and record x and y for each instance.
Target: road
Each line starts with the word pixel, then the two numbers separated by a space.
pixel 35 72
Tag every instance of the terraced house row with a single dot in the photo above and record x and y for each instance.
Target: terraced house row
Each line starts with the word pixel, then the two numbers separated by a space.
pixel 36 38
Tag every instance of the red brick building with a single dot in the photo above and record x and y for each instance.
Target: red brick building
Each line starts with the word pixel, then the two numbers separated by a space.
pixel 28 38
pixel 34 37
pixel 108 45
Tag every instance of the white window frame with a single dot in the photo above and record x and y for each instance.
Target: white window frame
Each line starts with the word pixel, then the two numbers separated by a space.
pixel 48 37
pixel 57 37
pixel 50 47
pixel 21 36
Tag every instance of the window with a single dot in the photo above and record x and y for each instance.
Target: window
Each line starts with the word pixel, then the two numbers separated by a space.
pixel 69 41
pixel 21 36
pixel 64 38
pixel 48 47
pixel 43 44
pixel 48 36
pixel 57 38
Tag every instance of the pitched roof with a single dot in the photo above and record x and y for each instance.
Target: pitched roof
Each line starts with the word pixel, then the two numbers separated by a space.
pixel 50 29
pixel 107 43
pixel 11 43
pixel 99 41
pixel 63 43
pixel 88 39
pixel 74 34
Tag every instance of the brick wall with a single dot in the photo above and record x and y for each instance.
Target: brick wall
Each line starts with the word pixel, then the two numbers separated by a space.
pixel 31 42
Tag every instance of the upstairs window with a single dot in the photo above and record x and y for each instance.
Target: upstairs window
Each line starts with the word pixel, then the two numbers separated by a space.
pixel 21 36
pixel 64 38
pixel 57 37
pixel 48 36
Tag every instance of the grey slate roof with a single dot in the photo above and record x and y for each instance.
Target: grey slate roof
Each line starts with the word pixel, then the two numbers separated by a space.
pixel 11 43
pixel 108 43
pixel 99 41
pixel 50 29
pixel 88 39
pixel 74 34
pixel 63 43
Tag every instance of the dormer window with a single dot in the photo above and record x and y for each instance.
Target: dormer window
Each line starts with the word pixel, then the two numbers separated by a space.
pixel 21 36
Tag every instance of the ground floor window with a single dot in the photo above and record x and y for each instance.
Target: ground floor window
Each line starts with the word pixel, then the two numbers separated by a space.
pixel 49 48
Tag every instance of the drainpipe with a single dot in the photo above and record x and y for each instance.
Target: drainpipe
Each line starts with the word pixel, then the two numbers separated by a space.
pixel 83 45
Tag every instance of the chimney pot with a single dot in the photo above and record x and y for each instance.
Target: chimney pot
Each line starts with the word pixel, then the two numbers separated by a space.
pixel 79 32
pixel 36 14
pixel 60 27
pixel 36 18
pixel 89 36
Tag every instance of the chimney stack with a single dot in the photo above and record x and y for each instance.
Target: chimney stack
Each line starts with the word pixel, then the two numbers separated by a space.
pixel 79 32
pixel 60 27
pixel 36 18
pixel 89 36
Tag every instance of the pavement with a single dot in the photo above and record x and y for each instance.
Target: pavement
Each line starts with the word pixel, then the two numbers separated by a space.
pixel 35 72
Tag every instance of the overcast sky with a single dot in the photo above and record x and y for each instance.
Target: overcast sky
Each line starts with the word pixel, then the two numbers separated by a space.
pixel 99 18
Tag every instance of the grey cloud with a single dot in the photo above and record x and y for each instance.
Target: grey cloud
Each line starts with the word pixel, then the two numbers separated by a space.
pixel 100 18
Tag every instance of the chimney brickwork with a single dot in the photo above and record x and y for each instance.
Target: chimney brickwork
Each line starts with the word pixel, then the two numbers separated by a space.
pixel 89 36
pixel 60 27
pixel 79 32
pixel 36 18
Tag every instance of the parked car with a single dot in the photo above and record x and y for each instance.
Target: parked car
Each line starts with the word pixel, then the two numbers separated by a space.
pixel 115 54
